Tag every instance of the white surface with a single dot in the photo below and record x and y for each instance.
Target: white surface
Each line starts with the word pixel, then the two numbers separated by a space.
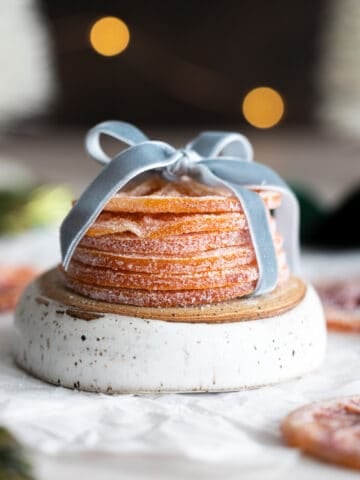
pixel 228 435
pixel 117 353
pixel 232 433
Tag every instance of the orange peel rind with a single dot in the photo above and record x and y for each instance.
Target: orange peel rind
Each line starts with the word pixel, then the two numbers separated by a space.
pixel 127 244
pixel 223 258
pixel 122 279
pixel 158 226
pixel 158 298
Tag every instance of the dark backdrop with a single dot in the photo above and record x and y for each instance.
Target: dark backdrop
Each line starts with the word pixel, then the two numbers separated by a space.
pixel 186 61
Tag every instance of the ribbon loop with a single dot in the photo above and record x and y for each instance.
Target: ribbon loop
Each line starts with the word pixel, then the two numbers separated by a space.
pixel 125 132
pixel 119 172
pixel 200 160
pixel 211 144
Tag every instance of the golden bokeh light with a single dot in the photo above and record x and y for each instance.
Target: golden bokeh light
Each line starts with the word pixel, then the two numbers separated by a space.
pixel 263 107
pixel 109 36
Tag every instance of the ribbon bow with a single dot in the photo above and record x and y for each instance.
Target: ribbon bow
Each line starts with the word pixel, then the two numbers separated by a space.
pixel 200 160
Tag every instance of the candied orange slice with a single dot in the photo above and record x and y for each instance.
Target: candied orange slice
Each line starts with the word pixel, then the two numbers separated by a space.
pixel 13 280
pixel 177 204
pixel 162 298
pixel 341 301
pixel 158 195
pixel 13 276
pixel 138 188
pixel 122 279
pixel 222 258
pixel 127 244
pixel 153 204
pixel 158 226
pixel 8 299
pixel 328 430
pixel 159 298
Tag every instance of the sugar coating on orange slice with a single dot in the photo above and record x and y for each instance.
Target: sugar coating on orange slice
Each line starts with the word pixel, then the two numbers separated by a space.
pixel 341 320
pixel 165 298
pixel 214 259
pixel 9 298
pixel 222 258
pixel 158 298
pixel 341 300
pixel 186 244
pixel 158 186
pixel 127 244
pixel 123 279
pixel 12 276
pixel 162 225
pixel 328 430
pixel 158 195
pixel 13 280
pixel 205 204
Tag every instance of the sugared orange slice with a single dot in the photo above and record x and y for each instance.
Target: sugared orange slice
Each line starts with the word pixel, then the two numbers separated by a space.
pixel 157 195
pixel 13 280
pixel 328 430
pixel 162 225
pixel 123 279
pixel 206 204
pixel 158 298
pixel 217 259
pixel 127 244
pixel 341 300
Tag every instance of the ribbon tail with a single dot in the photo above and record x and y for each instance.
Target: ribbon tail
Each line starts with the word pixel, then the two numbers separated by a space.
pixel 120 171
pixel 261 177
pixel 288 224
pixel 258 224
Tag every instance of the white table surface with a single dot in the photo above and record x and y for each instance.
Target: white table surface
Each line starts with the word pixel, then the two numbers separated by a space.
pixel 210 436
pixel 59 157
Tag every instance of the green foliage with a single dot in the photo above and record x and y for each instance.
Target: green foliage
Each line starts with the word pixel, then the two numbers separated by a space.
pixel 40 206
pixel 13 464
pixel 311 214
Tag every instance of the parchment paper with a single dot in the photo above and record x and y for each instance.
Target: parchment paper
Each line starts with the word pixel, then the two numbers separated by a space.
pixel 229 429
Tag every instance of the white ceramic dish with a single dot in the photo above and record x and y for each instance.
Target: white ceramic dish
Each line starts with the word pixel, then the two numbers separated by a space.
pixel 114 353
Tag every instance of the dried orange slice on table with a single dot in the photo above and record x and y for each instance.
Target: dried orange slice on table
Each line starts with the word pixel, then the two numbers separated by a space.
pixel 328 430
pixel 341 301
pixel 13 280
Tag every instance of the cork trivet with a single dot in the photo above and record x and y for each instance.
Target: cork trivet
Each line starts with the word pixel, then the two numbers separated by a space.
pixel 283 298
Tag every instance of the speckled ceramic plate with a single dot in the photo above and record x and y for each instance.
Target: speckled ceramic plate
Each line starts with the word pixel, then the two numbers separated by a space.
pixel 69 340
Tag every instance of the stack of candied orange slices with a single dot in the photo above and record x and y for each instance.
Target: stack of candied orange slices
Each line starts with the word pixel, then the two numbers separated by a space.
pixel 168 244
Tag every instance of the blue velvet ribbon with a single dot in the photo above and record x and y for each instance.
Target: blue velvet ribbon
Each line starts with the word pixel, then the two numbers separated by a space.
pixel 214 158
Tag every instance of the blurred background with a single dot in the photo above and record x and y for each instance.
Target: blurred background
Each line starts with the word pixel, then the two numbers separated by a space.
pixel 287 74
pixel 284 73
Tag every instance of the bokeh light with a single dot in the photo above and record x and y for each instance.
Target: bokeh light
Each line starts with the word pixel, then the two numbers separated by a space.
pixel 109 36
pixel 263 107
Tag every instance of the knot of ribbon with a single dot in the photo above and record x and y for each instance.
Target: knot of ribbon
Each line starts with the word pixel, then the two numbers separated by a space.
pixel 217 159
